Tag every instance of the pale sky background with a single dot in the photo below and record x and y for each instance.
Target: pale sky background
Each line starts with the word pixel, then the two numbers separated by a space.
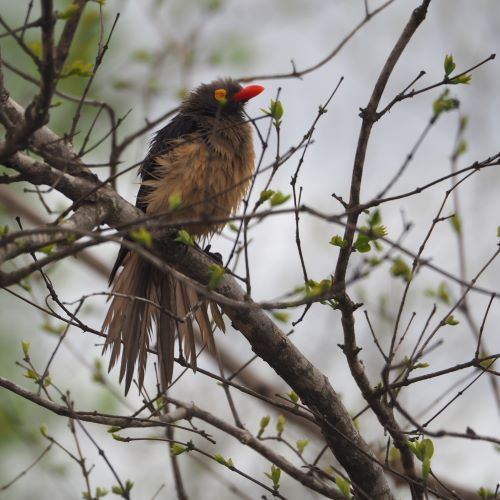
pixel 275 32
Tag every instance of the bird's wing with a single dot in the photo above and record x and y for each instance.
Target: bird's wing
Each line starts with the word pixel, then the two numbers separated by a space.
pixel 164 140
pixel 182 125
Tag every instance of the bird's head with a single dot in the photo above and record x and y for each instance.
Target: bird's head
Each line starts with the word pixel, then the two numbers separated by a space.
pixel 223 97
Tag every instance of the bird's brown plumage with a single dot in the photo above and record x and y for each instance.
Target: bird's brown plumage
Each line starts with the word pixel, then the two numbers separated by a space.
pixel 205 157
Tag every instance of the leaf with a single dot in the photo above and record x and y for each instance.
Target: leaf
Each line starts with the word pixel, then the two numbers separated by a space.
pixel 485 494
pixel 400 269
pixel 122 84
pixel 26 347
pixel 449 65
pixel 421 365
pixel 280 425
pixel 174 201
pixel 143 236
pixel 375 218
pixel 220 459
pixel 276 110
pixel 55 330
pixel 379 231
pixel 68 12
pixel 428 448
pixel 36 48
pixel 216 275
pixel 427 451
pixel 456 223
pixel 184 237
pixel 142 55
pixel 460 149
pixel 32 374
pixel 450 320
pixel 101 492
pixel 444 103
pixel 274 476
pixel 278 198
pixel 344 486
pixel 177 449
pixel 264 422
pixel 338 241
pixel 77 68
pixel 48 249
pixel 265 195
pixel 281 316
pixel 301 444
pixel 362 243
pixel 315 289
pixel 443 293
pixel 461 79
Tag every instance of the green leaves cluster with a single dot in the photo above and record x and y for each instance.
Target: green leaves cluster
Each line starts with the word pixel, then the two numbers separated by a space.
pixel 444 103
pixel 370 233
pixel 344 486
pixel 216 274
pixel 275 111
pixel 274 476
pixel 125 490
pixel 442 293
pixel 449 67
pixel 314 289
pixel 275 197
pixel 223 461
pixel 178 449
pixel 77 68
pixel 143 236
pixel 423 450
pixel 99 493
pixel 450 320
pixel 184 237
pixel 338 241
pixel 400 269
pixel 486 494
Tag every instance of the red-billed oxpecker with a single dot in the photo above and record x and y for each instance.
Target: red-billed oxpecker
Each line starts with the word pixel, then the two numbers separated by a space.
pixel 203 160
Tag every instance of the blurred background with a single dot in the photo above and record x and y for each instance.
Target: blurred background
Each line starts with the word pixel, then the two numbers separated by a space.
pixel 159 50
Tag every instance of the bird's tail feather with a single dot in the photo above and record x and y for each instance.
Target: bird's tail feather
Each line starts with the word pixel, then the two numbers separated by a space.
pixel 142 295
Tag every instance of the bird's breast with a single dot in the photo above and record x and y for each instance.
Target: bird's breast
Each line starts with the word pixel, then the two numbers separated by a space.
pixel 209 176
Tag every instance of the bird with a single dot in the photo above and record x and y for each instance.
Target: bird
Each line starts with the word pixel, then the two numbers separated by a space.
pixel 198 168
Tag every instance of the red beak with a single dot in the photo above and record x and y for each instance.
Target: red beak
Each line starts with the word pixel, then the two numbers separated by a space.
pixel 247 93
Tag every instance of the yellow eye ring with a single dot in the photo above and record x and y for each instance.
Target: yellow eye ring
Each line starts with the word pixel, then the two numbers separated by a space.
pixel 220 95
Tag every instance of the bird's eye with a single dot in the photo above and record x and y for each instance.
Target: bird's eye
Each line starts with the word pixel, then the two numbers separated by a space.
pixel 220 95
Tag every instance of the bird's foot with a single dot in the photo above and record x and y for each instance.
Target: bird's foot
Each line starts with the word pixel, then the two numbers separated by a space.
pixel 214 255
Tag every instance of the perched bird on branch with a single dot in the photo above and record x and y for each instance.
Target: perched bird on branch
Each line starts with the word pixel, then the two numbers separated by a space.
pixel 198 169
